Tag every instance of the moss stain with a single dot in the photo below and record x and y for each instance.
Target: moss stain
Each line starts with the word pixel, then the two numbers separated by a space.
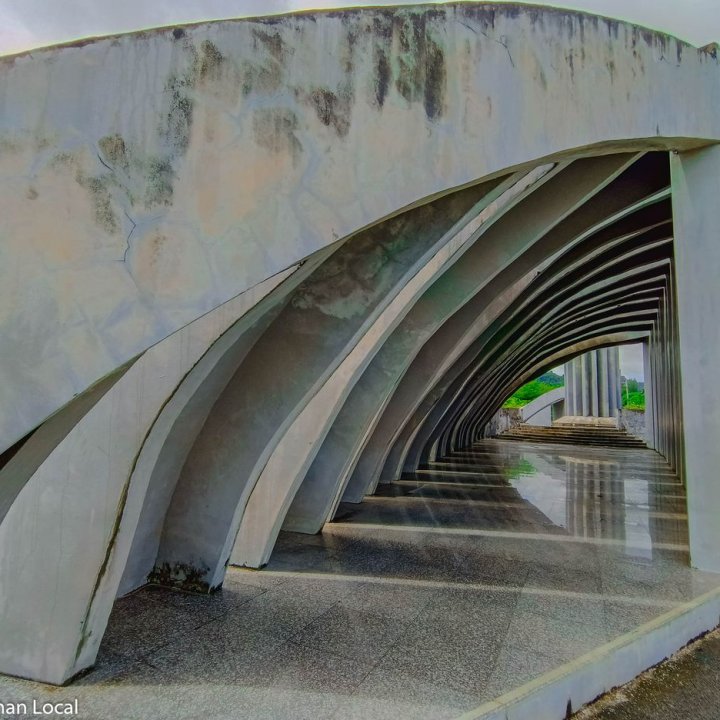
pixel 182 576
pixel 421 63
pixel 274 129
pixel 332 110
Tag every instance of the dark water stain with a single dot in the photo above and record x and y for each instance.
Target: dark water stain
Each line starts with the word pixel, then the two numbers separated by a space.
pixel 421 63
pixel 273 43
pixel 261 78
pixel 99 191
pixel 332 110
pixel 359 274
pixel 114 151
pixel 159 176
pixel 381 32
pixel 98 188
pixel 266 76
pixel 179 115
pixel 274 129
pixel 570 60
pixel 482 14
pixel 611 69
pixel 435 79
pixel 383 76
pixel 209 62
pixel 204 65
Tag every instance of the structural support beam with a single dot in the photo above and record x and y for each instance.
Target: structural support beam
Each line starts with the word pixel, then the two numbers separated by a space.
pixel 649 402
pixel 696 190
pixel 594 380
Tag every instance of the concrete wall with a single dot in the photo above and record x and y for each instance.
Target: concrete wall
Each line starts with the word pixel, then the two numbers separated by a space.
pixel 504 419
pixel 122 158
pixel 633 421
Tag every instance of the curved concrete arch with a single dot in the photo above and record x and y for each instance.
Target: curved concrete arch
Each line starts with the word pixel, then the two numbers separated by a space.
pixel 628 307
pixel 324 484
pixel 168 211
pixel 76 574
pixel 285 468
pixel 627 229
pixel 411 417
pixel 538 344
pixel 478 417
pixel 151 243
pixel 302 362
pixel 527 217
pixel 593 270
pixel 529 411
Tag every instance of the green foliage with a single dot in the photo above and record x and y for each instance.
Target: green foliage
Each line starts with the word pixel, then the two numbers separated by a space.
pixel 528 392
pixel 633 400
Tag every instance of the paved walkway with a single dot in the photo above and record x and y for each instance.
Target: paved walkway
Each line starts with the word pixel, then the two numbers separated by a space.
pixel 686 687
pixel 445 590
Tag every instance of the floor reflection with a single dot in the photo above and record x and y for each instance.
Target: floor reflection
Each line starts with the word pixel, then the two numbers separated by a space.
pixel 630 496
pixel 445 590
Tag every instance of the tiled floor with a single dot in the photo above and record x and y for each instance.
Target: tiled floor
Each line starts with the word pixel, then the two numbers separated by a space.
pixel 444 590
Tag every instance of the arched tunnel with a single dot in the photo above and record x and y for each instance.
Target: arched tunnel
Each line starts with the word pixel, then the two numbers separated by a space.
pixel 255 269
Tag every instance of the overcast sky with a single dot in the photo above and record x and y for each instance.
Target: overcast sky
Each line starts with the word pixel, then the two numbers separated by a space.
pixel 26 24
pixel 631 361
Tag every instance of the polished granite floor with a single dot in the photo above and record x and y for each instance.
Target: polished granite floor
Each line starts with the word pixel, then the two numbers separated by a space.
pixel 444 590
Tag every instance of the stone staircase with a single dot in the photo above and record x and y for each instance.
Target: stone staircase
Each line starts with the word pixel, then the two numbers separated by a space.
pixel 602 435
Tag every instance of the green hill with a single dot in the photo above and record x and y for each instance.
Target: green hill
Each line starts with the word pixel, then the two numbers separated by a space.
pixel 534 389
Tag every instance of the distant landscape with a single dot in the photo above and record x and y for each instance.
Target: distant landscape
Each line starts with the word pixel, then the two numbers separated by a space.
pixel 535 388
pixel 633 395
pixel 633 392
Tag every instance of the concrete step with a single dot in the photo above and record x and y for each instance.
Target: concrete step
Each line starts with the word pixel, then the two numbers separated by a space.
pixel 635 442
pixel 573 435
pixel 579 438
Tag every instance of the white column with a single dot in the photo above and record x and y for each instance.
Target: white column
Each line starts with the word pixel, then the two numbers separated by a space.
pixel 649 412
pixel 696 211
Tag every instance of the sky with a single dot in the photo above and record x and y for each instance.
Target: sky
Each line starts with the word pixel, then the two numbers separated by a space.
pixel 631 361
pixel 27 24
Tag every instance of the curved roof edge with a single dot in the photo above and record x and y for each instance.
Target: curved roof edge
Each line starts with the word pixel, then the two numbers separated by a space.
pixel 511 9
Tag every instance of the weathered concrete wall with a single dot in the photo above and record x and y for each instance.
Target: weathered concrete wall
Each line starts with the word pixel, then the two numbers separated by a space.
pixel 504 419
pixel 633 421
pixel 150 177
